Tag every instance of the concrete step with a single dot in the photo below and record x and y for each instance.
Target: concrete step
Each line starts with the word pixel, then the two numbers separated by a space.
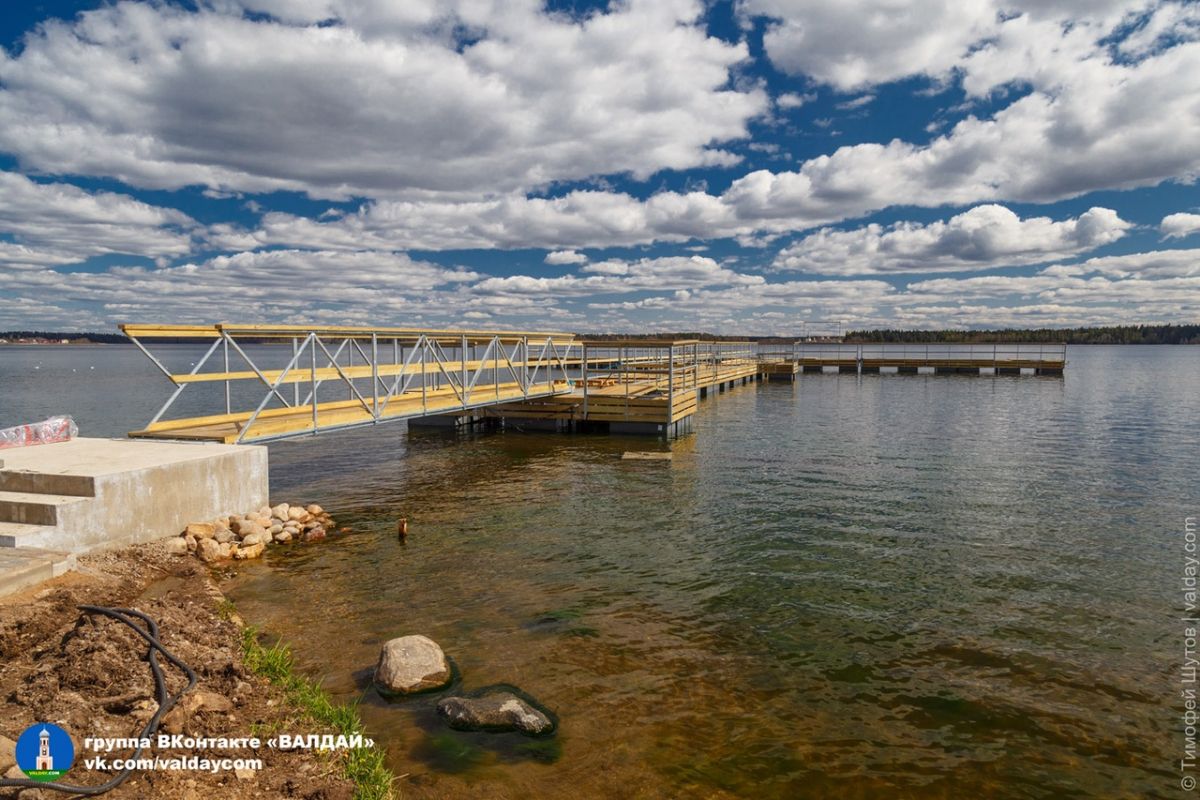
pixel 21 567
pixel 12 480
pixel 34 508
pixel 21 534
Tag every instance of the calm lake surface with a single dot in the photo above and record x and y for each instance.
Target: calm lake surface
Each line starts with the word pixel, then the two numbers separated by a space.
pixel 877 586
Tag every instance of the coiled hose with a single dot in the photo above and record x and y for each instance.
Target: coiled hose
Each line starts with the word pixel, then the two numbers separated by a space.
pixel 165 701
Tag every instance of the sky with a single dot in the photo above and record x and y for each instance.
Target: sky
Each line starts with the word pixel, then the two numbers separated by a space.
pixel 755 166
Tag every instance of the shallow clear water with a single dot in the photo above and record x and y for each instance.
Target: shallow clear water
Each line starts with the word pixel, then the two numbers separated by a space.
pixel 875 586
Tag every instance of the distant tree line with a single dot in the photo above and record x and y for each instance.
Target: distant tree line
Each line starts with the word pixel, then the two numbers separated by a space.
pixel 1121 334
pixel 1118 334
pixel 96 338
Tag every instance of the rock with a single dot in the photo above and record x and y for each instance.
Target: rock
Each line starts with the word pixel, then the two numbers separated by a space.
pixel 264 511
pixel 191 543
pixel 314 534
pixel 30 794
pixel 225 536
pixel 497 710
pixel 258 537
pixel 276 528
pixel 411 664
pixel 177 546
pixel 14 772
pixel 280 510
pixel 200 530
pixel 227 549
pixel 297 513
pixel 190 704
pixel 8 753
pixel 250 551
pixel 315 510
pixel 283 536
pixel 244 773
pixel 208 549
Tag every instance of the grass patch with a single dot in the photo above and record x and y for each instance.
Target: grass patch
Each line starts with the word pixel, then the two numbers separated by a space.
pixel 364 766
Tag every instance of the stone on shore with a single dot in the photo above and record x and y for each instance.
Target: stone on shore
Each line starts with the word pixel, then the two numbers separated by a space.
pixel 411 664
pixel 177 546
pixel 496 711
pixel 257 537
pixel 297 513
pixel 208 549
pixel 250 551
pixel 283 536
pixel 201 530
pixel 224 535
pixel 8 753
pixel 315 510
pixel 280 510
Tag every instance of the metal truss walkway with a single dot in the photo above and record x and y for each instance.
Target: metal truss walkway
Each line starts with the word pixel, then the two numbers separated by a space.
pixel 293 380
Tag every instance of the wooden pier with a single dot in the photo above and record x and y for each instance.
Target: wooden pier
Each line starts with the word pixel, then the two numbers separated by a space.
pixel 296 380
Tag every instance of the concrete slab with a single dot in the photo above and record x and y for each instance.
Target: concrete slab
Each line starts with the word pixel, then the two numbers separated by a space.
pixel 141 490
pixel 23 567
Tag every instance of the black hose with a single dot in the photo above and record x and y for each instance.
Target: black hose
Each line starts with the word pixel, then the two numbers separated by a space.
pixel 165 701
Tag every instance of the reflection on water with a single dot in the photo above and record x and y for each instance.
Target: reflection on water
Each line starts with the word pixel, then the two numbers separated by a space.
pixel 876 586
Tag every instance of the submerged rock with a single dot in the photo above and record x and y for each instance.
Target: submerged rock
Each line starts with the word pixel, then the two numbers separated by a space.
pixel 411 664
pixel 497 710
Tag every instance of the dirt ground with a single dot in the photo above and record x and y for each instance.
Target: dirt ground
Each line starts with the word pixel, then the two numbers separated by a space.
pixel 88 674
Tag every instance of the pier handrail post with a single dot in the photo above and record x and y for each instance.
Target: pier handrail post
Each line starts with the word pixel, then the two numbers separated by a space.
pixel 228 400
pixel 295 386
pixel 375 375
pixel 584 375
pixel 424 345
pixel 462 354
pixel 670 382
pixel 313 374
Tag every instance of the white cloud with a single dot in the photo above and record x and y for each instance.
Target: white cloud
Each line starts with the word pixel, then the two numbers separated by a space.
pixel 789 100
pixel 984 237
pixel 395 99
pixel 559 257
pixel 1176 226
pixel 857 102
pixel 854 44
pixel 1103 125
pixel 57 223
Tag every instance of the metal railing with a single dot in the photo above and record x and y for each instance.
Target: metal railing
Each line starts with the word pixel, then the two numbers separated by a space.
pixel 424 371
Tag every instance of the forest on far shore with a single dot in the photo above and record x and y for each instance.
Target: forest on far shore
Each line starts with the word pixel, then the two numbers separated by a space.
pixel 1121 334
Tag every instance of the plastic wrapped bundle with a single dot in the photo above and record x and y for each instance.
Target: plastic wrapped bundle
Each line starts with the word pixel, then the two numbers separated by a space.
pixel 55 429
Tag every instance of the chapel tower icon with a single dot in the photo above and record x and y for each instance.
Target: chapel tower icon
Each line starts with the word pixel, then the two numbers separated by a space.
pixel 44 759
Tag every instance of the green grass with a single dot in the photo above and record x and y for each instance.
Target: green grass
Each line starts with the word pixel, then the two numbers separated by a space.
pixel 364 766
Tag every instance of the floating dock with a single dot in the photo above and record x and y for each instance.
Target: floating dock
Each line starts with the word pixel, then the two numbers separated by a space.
pixel 276 382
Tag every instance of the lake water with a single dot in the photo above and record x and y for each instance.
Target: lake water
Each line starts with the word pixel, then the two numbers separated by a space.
pixel 853 586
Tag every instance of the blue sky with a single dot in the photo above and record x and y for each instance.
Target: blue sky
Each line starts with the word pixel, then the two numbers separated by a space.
pixel 736 167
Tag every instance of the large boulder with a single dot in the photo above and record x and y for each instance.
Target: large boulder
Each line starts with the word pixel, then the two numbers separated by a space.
pixel 8 753
pixel 411 664
pixel 208 550
pixel 495 710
